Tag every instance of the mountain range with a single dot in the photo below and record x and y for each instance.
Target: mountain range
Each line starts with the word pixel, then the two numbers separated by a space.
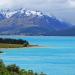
pixel 33 23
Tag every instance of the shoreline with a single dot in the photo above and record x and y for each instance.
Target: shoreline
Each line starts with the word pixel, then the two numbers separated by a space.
pixel 26 47
pixel 31 46
pixel 7 36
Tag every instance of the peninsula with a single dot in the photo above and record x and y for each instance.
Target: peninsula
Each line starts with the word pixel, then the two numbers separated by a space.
pixel 13 43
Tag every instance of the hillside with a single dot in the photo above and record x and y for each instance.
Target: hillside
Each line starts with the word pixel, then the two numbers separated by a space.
pixel 28 22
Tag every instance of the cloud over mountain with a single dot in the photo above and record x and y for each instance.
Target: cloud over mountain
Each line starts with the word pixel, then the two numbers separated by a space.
pixel 64 9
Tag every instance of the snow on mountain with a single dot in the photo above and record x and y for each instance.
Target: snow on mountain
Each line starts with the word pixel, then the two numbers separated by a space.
pixel 29 22
pixel 9 13
pixel 28 13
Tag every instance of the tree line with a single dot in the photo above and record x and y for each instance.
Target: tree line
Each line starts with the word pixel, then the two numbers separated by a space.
pixel 13 41
pixel 15 70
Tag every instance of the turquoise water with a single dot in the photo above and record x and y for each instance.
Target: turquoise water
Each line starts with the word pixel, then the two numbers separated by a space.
pixel 56 58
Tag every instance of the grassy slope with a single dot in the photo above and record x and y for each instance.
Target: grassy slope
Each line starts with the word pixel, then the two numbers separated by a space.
pixel 2 45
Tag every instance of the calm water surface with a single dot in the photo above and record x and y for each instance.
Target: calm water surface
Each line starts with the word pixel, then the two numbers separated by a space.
pixel 57 58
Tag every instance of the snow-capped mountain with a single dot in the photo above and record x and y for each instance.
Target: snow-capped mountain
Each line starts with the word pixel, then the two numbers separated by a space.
pixel 29 22
pixel 10 13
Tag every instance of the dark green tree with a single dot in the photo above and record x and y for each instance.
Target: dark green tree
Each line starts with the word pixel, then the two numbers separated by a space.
pixel 13 68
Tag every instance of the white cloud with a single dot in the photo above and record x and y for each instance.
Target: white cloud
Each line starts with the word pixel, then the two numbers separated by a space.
pixel 59 8
pixel 71 3
pixel 5 3
pixel 37 3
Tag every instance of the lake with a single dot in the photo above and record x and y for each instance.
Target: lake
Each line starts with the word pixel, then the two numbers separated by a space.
pixel 55 57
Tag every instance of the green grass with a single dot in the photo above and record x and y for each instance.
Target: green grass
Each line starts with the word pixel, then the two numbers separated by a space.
pixel 2 45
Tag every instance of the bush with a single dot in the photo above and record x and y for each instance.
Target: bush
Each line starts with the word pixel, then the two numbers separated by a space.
pixel 15 70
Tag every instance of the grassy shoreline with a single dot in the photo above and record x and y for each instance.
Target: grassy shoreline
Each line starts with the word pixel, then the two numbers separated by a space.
pixel 6 46
pixel 3 45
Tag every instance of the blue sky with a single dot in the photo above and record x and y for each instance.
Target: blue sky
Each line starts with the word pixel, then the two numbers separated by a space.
pixel 62 9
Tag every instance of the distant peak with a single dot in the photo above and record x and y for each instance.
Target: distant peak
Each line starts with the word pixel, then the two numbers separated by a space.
pixel 9 13
pixel 30 12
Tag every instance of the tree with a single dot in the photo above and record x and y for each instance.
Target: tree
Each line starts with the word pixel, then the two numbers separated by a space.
pixel 42 73
pixel 23 72
pixel 30 72
pixel 3 70
pixel 35 73
pixel 13 68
